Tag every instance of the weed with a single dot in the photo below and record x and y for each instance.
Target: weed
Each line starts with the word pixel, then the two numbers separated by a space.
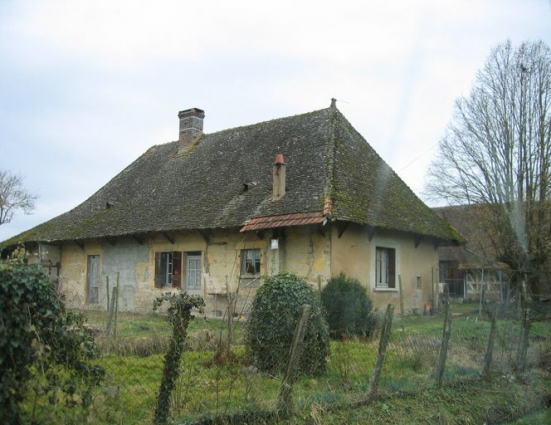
pixel 143 346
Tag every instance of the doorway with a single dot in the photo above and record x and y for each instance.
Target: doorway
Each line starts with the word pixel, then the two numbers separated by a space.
pixel 93 279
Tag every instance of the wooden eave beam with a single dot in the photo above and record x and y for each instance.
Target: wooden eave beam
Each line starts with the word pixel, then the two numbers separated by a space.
pixel 259 234
pixel 341 227
pixel 168 237
pixel 436 244
pixel 204 235
pixel 80 244
pixel 371 232
pixel 112 241
pixel 320 231
pixel 138 239
pixel 418 239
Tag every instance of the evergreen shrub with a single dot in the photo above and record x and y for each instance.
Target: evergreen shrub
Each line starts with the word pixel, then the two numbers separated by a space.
pixel 41 342
pixel 273 319
pixel 347 306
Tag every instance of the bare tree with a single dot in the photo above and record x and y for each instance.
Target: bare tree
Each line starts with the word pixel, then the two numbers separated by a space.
pixel 497 153
pixel 13 196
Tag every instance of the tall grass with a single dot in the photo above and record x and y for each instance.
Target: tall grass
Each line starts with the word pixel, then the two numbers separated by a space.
pixel 225 383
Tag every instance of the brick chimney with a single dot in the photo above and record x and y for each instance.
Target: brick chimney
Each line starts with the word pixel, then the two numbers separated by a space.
pixel 191 125
pixel 279 177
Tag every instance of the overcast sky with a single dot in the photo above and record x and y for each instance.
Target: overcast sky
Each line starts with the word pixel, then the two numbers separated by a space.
pixel 87 86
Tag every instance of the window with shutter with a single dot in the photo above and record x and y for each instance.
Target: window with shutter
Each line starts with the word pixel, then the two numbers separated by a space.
pixel 158 270
pixel 168 269
pixel 176 270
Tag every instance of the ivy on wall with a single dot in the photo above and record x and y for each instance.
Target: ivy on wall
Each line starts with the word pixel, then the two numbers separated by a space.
pixel 42 343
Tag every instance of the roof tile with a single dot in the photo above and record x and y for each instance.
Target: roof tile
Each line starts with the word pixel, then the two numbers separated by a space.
pixel 331 170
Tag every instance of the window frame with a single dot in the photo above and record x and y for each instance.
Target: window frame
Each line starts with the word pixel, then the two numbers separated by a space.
pixel 257 265
pixel 387 282
pixel 189 255
pixel 168 269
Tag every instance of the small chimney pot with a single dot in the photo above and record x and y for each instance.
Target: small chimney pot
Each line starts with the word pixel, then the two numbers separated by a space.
pixel 279 159
pixel 279 177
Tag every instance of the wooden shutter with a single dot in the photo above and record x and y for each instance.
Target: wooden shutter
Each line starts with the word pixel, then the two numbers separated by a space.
pixel 176 269
pixel 158 271
pixel 391 268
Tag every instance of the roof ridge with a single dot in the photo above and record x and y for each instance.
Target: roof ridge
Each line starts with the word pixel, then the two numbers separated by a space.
pixel 261 123
pixel 246 126
pixel 330 161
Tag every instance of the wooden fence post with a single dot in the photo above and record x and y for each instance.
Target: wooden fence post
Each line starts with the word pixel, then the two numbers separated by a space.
pixel 432 287
pixel 526 324
pixel 230 314
pixel 445 339
pixel 383 344
pixel 116 301
pixel 490 349
pixel 285 400
pixel 107 285
pixel 401 305
pixel 111 310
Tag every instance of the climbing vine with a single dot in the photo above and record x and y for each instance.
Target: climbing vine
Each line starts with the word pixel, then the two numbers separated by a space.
pixel 179 314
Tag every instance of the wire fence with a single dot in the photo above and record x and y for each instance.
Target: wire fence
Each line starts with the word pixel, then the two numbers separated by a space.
pixel 216 379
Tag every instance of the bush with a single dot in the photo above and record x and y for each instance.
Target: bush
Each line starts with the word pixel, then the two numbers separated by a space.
pixel 274 316
pixel 347 306
pixel 40 341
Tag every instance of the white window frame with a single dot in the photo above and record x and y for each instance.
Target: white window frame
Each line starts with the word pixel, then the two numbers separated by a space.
pixel 167 265
pixel 382 267
pixel 196 273
pixel 384 242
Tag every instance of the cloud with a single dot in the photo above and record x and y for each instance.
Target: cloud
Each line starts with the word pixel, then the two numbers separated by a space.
pixel 87 86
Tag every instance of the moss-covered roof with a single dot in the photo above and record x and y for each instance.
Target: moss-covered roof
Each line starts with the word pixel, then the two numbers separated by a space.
pixel 204 188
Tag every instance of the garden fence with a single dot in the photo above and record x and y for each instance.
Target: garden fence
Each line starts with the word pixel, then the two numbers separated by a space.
pixel 217 381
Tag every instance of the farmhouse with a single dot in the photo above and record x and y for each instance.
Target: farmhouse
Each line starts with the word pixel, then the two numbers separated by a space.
pixel 215 213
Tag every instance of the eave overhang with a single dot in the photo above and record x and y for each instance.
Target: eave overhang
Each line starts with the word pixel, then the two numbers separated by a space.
pixel 287 220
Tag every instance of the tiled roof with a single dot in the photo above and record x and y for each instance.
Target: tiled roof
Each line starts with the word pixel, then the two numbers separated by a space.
pixel 298 219
pixel 330 168
pixel 479 249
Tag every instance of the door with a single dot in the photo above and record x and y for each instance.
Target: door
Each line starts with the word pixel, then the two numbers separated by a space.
pixel 193 271
pixel 93 279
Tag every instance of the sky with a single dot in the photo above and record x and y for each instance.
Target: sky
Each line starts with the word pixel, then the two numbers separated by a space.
pixel 88 86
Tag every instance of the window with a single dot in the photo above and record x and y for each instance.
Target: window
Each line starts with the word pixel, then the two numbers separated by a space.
pixel 250 263
pixel 193 270
pixel 385 268
pixel 168 270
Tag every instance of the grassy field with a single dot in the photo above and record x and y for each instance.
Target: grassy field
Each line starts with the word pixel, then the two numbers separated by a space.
pixel 214 382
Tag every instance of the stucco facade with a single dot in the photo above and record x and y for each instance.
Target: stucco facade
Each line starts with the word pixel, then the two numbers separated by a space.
pixel 313 252
pixel 354 254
